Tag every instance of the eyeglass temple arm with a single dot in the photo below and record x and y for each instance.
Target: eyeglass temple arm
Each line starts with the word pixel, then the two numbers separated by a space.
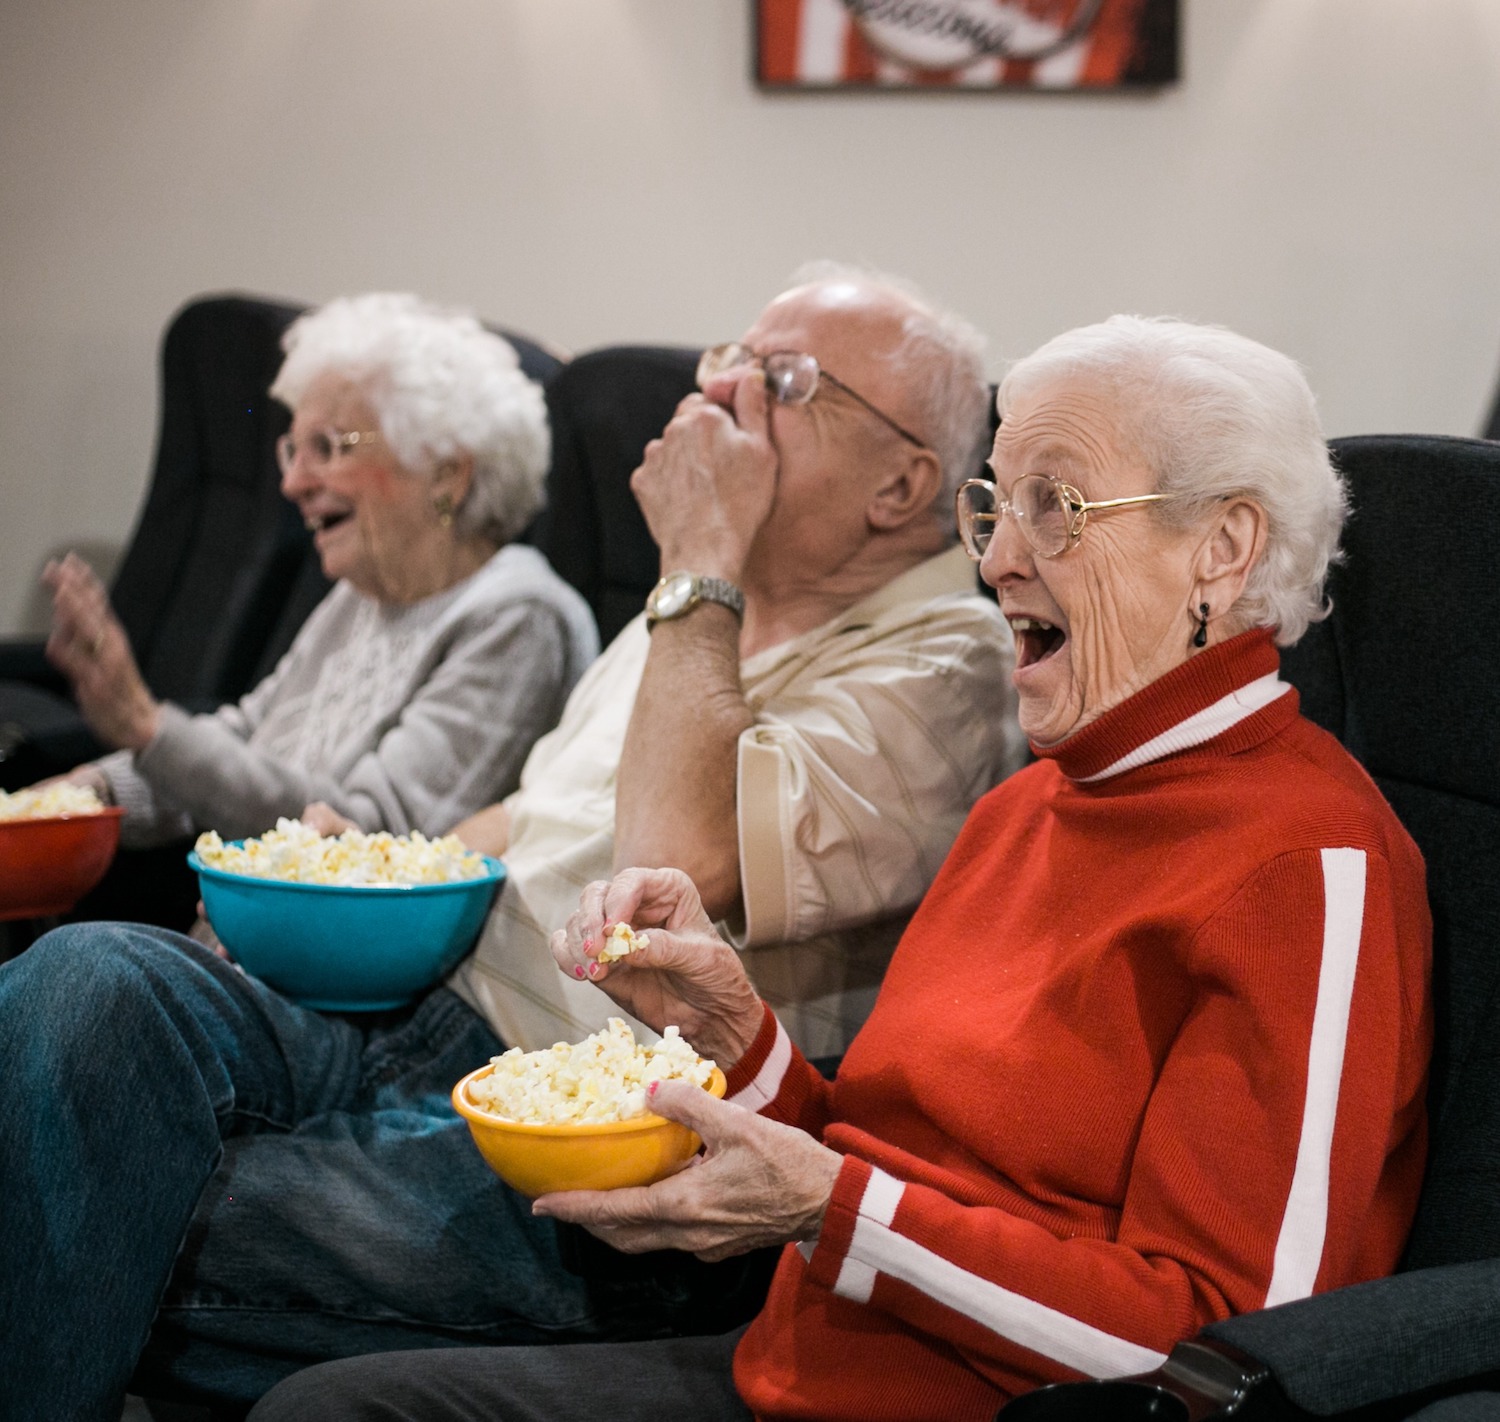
pixel 875 410
pixel 1085 505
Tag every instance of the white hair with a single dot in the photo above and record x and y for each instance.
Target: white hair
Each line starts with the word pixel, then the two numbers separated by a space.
pixel 1216 415
pixel 441 386
pixel 940 359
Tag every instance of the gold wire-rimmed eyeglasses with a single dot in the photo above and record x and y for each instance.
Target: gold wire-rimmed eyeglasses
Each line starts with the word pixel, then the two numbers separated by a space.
pixel 792 378
pixel 320 446
pixel 1050 514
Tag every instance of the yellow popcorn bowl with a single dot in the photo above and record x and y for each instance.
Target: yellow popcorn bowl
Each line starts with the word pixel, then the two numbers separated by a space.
pixel 599 1155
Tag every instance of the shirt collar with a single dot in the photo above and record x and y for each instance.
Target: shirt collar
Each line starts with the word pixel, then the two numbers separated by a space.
pixel 1219 691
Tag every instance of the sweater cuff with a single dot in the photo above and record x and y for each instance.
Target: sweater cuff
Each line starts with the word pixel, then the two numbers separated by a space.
pixel 156 754
pixel 128 788
pixel 745 1072
pixel 830 1265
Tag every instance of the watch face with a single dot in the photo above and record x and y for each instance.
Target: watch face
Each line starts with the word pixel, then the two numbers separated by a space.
pixel 674 595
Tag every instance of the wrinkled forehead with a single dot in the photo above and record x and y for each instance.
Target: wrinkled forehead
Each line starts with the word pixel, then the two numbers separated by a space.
pixel 1065 426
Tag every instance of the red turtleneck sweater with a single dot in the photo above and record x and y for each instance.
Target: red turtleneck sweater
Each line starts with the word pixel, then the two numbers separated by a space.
pixel 1151 1052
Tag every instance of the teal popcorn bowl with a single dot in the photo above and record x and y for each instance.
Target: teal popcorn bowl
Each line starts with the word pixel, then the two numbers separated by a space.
pixel 346 948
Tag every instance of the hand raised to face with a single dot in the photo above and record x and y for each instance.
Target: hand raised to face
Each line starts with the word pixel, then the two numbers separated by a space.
pixel 706 486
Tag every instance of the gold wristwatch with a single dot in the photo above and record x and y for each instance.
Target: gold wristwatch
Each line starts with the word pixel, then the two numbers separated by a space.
pixel 677 594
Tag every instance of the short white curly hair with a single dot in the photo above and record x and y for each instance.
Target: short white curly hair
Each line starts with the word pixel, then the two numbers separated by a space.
pixel 1216 415
pixel 441 386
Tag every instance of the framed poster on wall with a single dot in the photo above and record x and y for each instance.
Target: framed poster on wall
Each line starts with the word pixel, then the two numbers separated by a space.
pixel 966 44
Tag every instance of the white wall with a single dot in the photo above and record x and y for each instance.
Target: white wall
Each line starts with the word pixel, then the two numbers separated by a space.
pixel 1327 179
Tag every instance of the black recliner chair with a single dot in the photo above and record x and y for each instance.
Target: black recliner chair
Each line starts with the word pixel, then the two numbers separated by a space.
pixel 205 578
pixel 1406 672
pixel 606 406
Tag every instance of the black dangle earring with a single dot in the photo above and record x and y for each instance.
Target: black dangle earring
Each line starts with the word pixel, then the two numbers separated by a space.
pixel 1200 637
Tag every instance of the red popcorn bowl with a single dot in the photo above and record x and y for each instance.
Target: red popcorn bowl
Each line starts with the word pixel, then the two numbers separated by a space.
pixel 47 865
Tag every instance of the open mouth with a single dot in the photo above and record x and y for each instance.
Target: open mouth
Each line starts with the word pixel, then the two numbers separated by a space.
pixel 1035 640
pixel 316 523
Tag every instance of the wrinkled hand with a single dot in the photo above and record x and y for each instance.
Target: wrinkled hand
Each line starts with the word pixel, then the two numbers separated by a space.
pixel 89 647
pixel 759 1182
pixel 88 775
pixel 687 975
pixel 707 484
pixel 325 819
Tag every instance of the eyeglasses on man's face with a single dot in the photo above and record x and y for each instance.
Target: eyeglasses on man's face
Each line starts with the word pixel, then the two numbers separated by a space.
pixel 1050 514
pixel 320 447
pixel 792 378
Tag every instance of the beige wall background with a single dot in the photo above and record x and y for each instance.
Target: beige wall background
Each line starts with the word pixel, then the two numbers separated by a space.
pixel 1326 178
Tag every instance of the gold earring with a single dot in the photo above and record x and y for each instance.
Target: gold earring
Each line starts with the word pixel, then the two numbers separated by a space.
pixel 442 506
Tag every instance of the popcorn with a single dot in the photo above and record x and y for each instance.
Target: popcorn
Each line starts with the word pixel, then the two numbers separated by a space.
pixel 620 941
pixel 297 853
pixel 50 802
pixel 602 1078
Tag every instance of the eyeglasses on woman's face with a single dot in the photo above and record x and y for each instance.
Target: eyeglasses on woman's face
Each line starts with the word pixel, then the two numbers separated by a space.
pixel 1050 514
pixel 792 378
pixel 320 447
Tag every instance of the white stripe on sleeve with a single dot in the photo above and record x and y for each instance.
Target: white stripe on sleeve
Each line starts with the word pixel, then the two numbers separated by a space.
pixel 877 1249
pixel 882 1197
pixel 761 1091
pixel 1299 1246
pixel 878 1205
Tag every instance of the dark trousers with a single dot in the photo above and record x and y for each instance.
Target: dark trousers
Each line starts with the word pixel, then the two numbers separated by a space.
pixel 671 1380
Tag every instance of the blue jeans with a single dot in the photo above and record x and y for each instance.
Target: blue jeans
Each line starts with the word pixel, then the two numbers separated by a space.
pixel 207 1187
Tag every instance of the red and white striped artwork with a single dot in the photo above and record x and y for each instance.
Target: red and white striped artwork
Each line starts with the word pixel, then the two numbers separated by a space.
pixel 966 44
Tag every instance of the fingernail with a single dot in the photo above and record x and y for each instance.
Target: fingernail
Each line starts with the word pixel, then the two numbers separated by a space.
pixel 578 972
pixel 593 970
pixel 539 1212
pixel 587 944
pixel 651 1087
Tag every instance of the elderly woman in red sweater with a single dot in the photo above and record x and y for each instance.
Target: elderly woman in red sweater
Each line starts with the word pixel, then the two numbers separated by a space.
pixel 1152 1050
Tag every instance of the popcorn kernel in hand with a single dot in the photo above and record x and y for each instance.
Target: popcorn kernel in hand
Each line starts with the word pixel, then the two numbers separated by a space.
pixel 620 941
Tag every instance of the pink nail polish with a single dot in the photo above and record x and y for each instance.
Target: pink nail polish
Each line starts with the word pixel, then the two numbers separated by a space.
pixel 577 971
pixel 651 1087
pixel 587 944
pixel 593 970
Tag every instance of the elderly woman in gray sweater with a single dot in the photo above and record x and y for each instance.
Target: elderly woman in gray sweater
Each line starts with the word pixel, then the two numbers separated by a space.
pixel 413 693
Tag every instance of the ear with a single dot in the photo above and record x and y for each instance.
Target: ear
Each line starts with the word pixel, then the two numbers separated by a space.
pixel 454 476
pixel 1236 539
pixel 906 493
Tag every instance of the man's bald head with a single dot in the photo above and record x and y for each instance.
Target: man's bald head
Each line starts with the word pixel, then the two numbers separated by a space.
pixel 930 360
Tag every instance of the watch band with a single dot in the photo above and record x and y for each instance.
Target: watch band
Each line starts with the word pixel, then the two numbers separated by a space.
pixel 679 593
pixel 723 592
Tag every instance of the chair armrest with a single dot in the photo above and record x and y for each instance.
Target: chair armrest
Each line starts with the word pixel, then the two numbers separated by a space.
pixel 1200 1380
pixel 25 660
pixel 1412 1333
pixel 1416 1336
